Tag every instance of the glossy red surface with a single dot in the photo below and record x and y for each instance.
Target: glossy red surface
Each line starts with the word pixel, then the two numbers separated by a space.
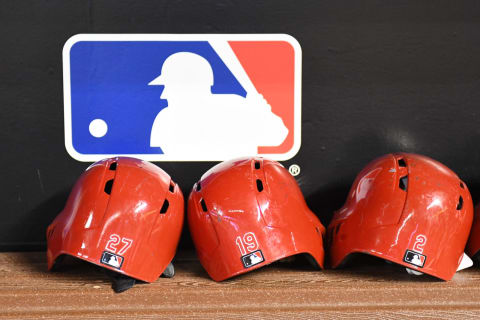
pixel 381 219
pixel 236 205
pixel 473 244
pixel 94 221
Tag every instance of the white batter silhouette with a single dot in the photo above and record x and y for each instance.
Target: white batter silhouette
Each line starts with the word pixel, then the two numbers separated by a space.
pixel 209 125
pixel 114 262
pixel 416 260
pixel 254 259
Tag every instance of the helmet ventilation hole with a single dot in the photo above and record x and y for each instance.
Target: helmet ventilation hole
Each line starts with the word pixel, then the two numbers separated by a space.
pixel 402 163
pixel 403 184
pixel 259 185
pixel 50 232
pixel 199 186
pixel 113 166
pixel 164 207
pixel 337 228
pixel 257 165
pixel 204 206
pixel 108 186
pixel 171 187
pixel 460 203
pixel 462 185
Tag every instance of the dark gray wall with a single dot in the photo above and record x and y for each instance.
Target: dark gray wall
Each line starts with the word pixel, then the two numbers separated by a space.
pixel 378 76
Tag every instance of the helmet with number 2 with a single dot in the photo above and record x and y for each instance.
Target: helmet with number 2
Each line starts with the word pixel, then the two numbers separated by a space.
pixel 123 214
pixel 407 209
pixel 246 213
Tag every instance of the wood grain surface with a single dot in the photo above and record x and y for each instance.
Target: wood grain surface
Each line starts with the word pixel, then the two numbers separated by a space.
pixel 279 291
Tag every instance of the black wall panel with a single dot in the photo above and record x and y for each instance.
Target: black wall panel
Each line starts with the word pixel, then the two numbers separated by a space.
pixel 378 77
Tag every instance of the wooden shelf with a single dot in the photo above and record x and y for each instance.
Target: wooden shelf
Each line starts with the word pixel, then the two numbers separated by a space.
pixel 81 291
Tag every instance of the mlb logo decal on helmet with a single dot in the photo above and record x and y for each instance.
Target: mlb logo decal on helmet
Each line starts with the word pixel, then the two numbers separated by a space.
pixel 170 97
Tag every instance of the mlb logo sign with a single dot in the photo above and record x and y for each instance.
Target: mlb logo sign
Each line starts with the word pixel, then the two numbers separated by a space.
pixel 170 97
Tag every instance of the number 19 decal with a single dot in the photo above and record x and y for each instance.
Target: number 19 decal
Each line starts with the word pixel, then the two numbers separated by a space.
pixel 248 243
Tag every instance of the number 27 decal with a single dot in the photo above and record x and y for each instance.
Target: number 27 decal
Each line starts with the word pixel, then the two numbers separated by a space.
pixel 114 241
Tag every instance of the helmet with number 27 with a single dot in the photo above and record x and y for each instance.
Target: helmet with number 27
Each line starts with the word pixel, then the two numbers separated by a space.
pixel 123 214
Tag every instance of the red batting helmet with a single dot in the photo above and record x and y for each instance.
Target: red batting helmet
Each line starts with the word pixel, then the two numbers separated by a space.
pixel 246 213
pixel 123 214
pixel 408 209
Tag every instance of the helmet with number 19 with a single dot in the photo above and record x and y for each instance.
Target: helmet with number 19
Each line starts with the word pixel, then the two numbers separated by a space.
pixel 123 214
pixel 246 213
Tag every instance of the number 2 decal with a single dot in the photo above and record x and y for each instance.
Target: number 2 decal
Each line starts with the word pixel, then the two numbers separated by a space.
pixel 421 240
pixel 249 243
pixel 115 241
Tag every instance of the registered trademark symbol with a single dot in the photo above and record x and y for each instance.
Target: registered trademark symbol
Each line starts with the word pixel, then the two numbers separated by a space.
pixel 294 170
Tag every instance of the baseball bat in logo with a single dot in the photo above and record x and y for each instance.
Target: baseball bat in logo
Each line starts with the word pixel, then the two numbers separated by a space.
pixel 167 97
